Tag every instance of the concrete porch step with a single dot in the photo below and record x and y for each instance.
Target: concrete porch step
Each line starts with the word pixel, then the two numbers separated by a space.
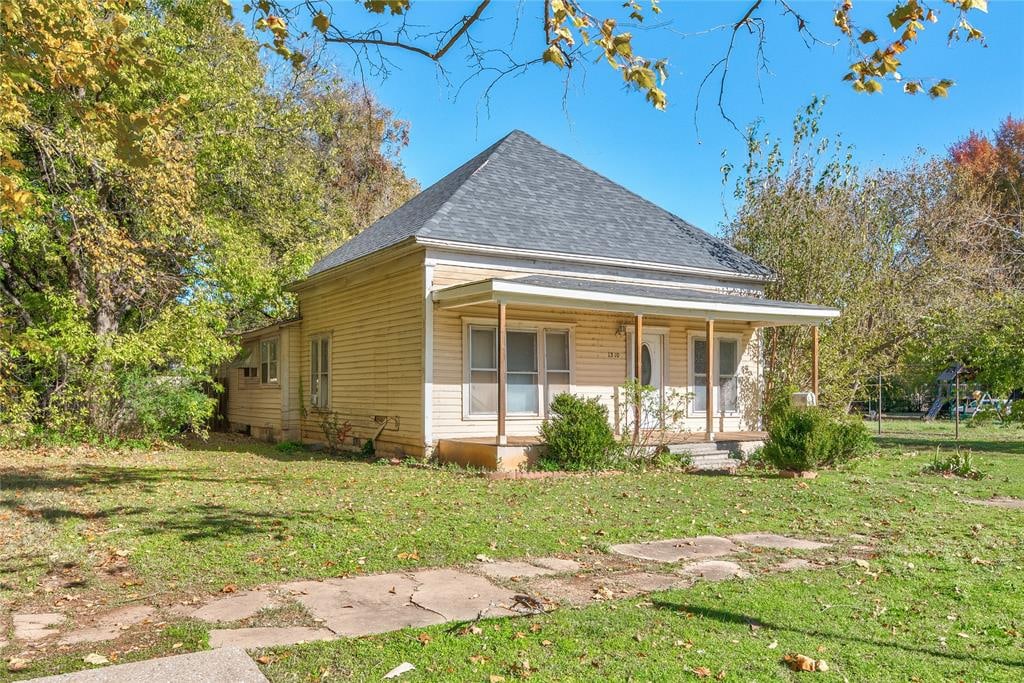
pixel 697 448
pixel 714 460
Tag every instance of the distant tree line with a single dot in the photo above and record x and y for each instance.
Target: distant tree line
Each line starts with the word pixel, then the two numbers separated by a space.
pixel 926 261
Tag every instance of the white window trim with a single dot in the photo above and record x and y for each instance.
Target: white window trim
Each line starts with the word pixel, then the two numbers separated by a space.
pixel 276 380
pixel 319 338
pixel 538 327
pixel 740 350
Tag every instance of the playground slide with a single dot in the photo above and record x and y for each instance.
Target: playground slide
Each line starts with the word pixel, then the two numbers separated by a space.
pixel 933 412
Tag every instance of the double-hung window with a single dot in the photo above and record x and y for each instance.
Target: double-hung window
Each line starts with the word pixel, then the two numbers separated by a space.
pixel 537 365
pixel 556 364
pixel 320 372
pixel 726 362
pixel 268 361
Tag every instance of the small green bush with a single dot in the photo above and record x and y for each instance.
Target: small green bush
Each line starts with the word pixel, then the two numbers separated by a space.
pixel 807 438
pixel 579 436
pixel 958 464
pixel 289 447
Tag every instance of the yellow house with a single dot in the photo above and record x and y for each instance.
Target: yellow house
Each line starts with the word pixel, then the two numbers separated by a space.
pixel 447 326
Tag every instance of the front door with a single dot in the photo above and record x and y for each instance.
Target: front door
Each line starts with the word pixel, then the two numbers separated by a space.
pixel 651 374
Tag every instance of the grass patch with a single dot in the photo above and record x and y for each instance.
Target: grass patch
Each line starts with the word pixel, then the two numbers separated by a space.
pixel 172 524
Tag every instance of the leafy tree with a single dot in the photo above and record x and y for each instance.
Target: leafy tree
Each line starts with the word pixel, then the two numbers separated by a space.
pixel 985 330
pixel 126 266
pixel 888 248
pixel 579 31
pixel 995 167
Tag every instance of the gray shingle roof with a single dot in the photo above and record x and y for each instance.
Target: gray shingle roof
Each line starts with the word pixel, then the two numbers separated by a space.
pixel 521 194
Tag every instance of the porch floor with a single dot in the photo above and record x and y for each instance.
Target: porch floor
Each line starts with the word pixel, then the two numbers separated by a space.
pixel 669 439
pixel 520 452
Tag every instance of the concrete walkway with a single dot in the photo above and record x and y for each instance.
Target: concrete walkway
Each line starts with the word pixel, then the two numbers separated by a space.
pixel 377 603
pixel 217 666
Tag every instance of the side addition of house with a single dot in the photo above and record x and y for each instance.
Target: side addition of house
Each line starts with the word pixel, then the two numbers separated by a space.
pixel 447 326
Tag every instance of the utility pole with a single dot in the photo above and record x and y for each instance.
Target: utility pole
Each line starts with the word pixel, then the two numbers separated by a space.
pixel 879 401
pixel 956 408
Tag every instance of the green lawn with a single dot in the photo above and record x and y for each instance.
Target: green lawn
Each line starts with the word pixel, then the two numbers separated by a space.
pixel 944 599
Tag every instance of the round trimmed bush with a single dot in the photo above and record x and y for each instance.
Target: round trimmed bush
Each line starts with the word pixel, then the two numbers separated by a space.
pixel 578 436
pixel 803 439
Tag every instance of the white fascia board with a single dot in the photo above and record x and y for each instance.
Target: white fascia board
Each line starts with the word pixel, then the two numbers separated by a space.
pixel 597 260
pixel 509 291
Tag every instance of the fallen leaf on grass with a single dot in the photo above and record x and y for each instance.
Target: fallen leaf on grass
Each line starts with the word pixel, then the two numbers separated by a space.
pixel 17 664
pixel 229 588
pixel 424 638
pixel 94 658
pixel 414 555
pixel 702 672
pixel 495 678
pixel 798 662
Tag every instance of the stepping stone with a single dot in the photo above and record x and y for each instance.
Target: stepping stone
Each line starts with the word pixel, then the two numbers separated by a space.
pixel 361 605
pixel 456 595
pixel 511 570
pixel 998 502
pixel 235 607
pixel 766 540
pixel 714 570
pixel 676 549
pixel 644 582
pixel 251 638
pixel 109 625
pixel 36 626
pixel 556 564
pixel 212 666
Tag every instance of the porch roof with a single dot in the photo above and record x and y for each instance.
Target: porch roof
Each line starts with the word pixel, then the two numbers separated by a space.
pixel 624 297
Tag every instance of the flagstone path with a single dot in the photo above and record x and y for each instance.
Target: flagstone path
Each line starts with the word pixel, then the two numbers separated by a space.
pixel 362 605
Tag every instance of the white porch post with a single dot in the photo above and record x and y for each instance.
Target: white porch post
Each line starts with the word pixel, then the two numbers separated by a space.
pixel 814 361
pixel 502 374
pixel 709 381
pixel 638 347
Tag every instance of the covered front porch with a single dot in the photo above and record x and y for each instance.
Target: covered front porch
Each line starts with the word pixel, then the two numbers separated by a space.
pixel 631 331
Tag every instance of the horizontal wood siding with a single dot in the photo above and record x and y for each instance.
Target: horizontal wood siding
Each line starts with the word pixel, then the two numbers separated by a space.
pixel 374 318
pixel 251 403
pixel 600 358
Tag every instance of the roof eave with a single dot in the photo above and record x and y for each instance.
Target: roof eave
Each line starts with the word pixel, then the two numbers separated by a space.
pixel 509 291
pixel 327 273
pixel 473 248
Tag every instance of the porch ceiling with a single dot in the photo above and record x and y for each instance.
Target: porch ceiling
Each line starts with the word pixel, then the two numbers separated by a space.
pixel 622 297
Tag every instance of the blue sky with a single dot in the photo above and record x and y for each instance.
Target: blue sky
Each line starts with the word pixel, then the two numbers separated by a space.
pixel 661 155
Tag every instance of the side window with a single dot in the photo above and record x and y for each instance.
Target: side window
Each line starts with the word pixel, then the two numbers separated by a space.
pixel 268 361
pixel 320 372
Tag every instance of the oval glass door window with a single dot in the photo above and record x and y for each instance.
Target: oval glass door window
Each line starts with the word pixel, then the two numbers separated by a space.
pixel 645 365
